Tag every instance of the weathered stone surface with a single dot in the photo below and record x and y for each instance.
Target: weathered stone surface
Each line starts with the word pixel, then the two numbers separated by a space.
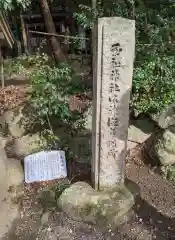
pixel 15 172
pixel 16 122
pixel 112 84
pixel 164 148
pixel 27 145
pixel 140 130
pixel 167 117
pixel 3 174
pixel 109 207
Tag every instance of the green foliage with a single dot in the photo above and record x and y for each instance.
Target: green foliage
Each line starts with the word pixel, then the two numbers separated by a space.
pixel 27 65
pixel 12 4
pixel 153 83
pixel 85 17
pixel 50 88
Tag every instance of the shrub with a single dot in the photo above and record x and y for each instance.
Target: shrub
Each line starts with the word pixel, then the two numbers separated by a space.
pixel 50 89
pixel 153 85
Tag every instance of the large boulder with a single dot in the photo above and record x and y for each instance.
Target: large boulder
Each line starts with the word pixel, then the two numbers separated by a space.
pixel 164 147
pixel 106 208
pixel 27 145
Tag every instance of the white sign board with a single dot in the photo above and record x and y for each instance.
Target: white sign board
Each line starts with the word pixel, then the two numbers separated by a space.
pixel 44 166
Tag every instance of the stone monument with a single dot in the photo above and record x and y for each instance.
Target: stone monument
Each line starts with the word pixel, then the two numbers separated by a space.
pixel 113 64
pixel 111 94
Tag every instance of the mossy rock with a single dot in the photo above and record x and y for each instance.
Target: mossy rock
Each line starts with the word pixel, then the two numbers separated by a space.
pixel 164 148
pixel 105 208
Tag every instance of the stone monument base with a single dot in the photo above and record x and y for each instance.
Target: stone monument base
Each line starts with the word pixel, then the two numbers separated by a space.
pixel 109 208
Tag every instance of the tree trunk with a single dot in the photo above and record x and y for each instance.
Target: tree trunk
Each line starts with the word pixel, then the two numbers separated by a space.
pixel 50 28
pixel 24 35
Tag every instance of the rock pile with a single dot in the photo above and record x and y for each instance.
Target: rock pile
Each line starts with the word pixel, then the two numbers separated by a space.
pixel 164 144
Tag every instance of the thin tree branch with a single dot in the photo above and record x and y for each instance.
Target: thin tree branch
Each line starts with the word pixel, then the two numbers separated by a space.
pixel 57 35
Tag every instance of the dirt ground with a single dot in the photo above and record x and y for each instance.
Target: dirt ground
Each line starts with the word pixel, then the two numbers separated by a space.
pixel 154 211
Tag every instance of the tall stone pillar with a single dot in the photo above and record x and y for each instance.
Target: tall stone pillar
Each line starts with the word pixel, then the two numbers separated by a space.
pixel 112 82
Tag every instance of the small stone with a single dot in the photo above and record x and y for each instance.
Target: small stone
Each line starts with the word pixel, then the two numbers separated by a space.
pixel 70 231
pixel 49 229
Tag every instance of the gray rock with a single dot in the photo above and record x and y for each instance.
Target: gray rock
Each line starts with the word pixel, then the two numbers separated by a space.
pixel 16 122
pixel 105 208
pixel 15 172
pixel 167 117
pixel 140 130
pixel 27 145
pixel 164 148
pixel 3 175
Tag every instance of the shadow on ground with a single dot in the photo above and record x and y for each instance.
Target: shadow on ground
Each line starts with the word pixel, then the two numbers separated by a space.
pixel 162 227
